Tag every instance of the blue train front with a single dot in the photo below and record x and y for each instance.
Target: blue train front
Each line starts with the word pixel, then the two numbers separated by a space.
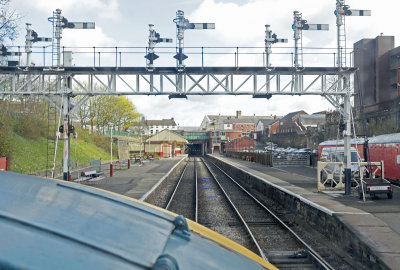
pixel 49 224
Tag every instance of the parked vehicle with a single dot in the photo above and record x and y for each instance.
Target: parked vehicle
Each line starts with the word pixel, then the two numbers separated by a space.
pixel 384 148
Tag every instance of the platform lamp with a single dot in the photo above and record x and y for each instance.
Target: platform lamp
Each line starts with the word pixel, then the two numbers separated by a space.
pixel 111 149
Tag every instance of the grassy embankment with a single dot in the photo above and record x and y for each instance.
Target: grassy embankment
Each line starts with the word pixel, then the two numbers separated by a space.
pixel 31 155
pixel 23 142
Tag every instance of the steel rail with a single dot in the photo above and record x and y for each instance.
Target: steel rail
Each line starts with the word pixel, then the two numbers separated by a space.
pixel 237 212
pixel 312 252
pixel 176 187
pixel 196 213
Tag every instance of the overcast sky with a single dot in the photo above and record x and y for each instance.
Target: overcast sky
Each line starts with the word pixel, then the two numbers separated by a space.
pixel 238 23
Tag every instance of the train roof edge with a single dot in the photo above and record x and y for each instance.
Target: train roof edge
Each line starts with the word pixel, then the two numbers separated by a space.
pixel 386 138
pixel 45 222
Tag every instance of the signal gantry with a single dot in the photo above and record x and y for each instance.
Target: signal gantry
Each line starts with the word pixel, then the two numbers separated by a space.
pixel 183 24
pixel 154 38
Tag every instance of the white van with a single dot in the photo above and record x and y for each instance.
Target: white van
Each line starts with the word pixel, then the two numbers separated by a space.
pixel 336 154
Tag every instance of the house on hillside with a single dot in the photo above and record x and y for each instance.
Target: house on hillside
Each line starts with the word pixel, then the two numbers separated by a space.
pixel 155 126
pixel 225 128
pixel 213 122
pixel 290 124
pixel 266 127
pixel 313 121
pixel 165 144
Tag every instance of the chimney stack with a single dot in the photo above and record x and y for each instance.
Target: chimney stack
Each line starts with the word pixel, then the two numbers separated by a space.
pixel 238 114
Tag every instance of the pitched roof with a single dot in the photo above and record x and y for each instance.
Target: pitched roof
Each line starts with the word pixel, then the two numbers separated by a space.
pixel 247 119
pixel 163 122
pixel 290 115
pixel 167 136
pixel 312 120
pixel 266 121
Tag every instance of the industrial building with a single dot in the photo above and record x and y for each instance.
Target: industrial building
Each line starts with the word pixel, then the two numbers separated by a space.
pixel 377 86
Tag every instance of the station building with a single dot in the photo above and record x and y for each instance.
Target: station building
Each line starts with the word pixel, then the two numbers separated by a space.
pixel 165 144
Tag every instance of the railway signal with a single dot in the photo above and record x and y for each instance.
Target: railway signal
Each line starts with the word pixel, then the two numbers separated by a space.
pixel 342 10
pixel 183 24
pixel 32 37
pixel 154 38
pixel 298 26
pixel 4 54
pixel 60 23
pixel 269 40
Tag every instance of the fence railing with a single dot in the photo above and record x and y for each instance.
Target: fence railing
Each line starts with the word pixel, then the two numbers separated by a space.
pixel 331 174
pixel 262 158
pixel 198 56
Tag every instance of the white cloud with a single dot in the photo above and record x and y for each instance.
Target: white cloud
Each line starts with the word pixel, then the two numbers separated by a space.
pixel 87 37
pixel 108 9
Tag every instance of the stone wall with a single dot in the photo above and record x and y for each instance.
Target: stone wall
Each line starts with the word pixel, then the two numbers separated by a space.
pixel 292 140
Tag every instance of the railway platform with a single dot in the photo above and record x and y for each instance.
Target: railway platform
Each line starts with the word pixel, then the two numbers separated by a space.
pixel 375 222
pixel 138 180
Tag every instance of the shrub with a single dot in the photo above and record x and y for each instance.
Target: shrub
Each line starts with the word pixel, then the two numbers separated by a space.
pixel 30 127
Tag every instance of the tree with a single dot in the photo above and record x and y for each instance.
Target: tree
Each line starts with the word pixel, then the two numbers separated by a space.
pixel 9 20
pixel 101 111
pixel 124 113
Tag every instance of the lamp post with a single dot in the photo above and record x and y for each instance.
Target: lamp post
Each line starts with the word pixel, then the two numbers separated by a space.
pixel 111 143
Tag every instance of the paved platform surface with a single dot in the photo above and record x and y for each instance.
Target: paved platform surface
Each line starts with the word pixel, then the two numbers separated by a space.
pixel 377 220
pixel 137 180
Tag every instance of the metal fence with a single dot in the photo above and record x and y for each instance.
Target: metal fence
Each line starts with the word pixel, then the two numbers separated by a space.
pixel 292 160
pixel 262 158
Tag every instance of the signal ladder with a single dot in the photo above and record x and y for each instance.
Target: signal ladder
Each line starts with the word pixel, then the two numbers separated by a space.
pixel 341 58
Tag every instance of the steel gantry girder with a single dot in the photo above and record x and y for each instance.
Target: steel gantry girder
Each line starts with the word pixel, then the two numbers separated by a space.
pixel 256 81
pixel 260 82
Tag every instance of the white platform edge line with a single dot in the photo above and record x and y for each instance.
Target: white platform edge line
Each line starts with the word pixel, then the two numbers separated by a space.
pixel 161 180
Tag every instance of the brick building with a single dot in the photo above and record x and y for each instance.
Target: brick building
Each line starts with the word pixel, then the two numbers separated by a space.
pixel 377 99
pixel 290 123
pixel 245 144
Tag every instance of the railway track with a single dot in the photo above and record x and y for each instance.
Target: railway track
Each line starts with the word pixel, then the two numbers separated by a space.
pixel 183 199
pixel 208 195
pixel 277 242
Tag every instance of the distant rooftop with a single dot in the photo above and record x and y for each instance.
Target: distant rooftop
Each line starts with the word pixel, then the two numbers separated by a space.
pixel 163 122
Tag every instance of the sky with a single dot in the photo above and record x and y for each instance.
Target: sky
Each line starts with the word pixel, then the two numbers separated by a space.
pixel 238 23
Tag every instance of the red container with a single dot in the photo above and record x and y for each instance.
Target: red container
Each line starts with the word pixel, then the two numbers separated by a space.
pixel 3 164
